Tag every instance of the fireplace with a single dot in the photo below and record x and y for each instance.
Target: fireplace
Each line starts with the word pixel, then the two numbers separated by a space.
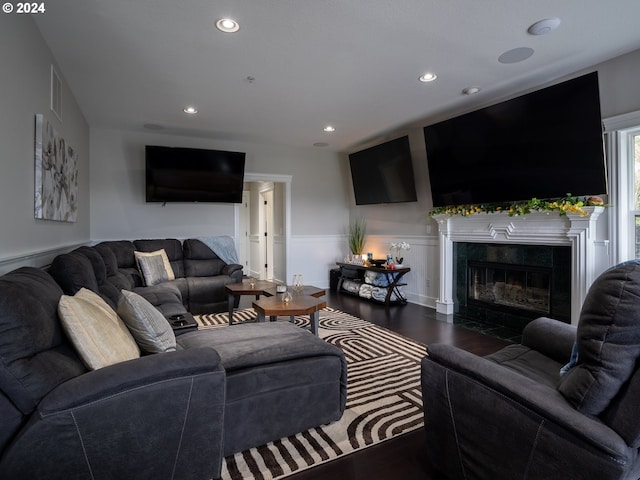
pixel 574 232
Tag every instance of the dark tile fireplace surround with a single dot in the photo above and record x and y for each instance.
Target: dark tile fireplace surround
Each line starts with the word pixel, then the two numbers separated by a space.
pixel 508 285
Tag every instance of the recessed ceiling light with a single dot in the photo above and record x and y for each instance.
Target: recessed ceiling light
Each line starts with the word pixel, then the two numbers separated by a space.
pixel 470 90
pixel 321 144
pixel 544 26
pixel 428 77
pixel 329 128
pixel 227 25
pixel 190 110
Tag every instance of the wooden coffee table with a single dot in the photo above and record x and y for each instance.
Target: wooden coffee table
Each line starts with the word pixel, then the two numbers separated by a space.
pixel 273 307
pixel 234 290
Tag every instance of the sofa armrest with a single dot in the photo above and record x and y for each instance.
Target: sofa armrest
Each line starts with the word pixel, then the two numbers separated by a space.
pixel 545 403
pixel 136 419
pixel 550 337
pixel 229 268
pixel 132 374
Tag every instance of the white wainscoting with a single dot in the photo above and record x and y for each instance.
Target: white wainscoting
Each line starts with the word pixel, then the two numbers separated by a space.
pixel 313 256
pixel 279 258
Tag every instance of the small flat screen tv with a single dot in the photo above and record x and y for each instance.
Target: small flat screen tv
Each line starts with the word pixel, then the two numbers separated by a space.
pixel 193 175
pixel 545 144
pixel 384 173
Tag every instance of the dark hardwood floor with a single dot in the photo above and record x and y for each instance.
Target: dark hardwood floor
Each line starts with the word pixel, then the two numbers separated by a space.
pixel 401 458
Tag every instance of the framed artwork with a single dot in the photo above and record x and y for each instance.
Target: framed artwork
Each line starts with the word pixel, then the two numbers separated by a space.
pixel 56 170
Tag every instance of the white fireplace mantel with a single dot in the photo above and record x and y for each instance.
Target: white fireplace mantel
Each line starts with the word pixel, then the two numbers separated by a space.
pixel 537 228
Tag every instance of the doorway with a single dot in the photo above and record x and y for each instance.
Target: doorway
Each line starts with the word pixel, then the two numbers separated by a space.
pixel 262 226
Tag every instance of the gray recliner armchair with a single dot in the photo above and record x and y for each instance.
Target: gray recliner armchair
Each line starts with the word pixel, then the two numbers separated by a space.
pixel 513 415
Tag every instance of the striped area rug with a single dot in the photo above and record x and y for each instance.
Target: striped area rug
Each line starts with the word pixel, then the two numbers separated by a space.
pixel 384 398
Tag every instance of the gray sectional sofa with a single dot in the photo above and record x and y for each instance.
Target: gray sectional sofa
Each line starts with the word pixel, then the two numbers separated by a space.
pixel 108 267
pixel 165 415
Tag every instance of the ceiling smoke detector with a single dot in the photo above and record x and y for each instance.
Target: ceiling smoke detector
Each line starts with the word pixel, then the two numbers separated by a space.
pixel 544 26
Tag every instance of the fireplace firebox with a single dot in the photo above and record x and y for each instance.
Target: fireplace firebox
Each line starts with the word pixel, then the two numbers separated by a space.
pixel 510 285
pixel 504 286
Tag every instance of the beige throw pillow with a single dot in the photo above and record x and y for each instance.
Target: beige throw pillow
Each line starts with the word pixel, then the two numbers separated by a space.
pixel 148 326
pixel 154 266
pixel 99 335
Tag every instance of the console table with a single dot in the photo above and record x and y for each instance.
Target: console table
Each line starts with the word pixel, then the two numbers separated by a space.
pixel 356 273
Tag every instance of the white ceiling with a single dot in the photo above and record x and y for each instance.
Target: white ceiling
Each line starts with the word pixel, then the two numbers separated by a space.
pixel 353 64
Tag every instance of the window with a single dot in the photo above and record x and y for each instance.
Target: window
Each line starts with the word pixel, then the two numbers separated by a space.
pixel 634 158
pixel 623 155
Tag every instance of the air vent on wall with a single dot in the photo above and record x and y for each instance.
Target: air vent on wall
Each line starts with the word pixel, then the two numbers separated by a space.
pixel 56 94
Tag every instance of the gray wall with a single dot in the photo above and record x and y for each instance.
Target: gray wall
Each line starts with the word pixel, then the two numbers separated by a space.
pixel 318 191
pixel 25 91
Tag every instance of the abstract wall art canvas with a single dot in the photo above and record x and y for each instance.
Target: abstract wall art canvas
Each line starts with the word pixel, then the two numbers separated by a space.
pixel 56 170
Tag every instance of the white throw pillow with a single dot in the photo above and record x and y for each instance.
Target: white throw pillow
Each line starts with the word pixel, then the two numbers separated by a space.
pixel 154 266
pixel 151 330
pixel 99 335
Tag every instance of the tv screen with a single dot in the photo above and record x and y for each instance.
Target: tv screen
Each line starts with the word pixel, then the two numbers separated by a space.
pixel 544 144
pixel 383 174
pixel 193 175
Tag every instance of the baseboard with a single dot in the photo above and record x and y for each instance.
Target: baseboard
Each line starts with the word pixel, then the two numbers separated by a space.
pixel 421 300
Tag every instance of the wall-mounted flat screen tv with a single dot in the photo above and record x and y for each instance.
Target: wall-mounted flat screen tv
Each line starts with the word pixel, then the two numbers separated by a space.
pixel 384 173
pixel 193 175
pixel 545 144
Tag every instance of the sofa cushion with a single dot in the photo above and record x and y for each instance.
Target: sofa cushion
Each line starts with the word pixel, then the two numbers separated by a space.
pixel 608 339
pixel 119 279
pixel 200 260
pixel 35 354
pixel 149 327
pixel 166 297
pixel 528 362
pixel 83 267
pixel 155 267
pixel 99 335
pixel 256 344
pixel 105 288
pixel 73 271
pixel 125 259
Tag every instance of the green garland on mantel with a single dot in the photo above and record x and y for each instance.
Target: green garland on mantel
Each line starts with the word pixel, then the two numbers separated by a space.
pixel 568 204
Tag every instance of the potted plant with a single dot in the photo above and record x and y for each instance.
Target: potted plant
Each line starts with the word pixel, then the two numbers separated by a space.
pixel 357 236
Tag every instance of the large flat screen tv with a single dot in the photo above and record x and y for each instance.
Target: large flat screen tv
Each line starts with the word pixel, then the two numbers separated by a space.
pixel 384 173
pixel 193 175
pixel 545 144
